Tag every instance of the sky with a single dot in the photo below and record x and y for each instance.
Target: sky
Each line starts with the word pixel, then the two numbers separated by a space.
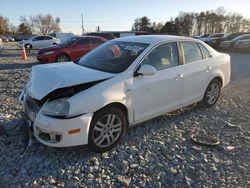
pixel 112 15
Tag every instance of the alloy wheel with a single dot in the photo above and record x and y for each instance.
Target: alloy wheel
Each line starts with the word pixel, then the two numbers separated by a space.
pixel 213 93
pixel 62 58
pixel 107 130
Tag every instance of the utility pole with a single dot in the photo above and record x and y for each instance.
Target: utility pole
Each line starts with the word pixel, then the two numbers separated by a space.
pixel 82 25
pixel 98 29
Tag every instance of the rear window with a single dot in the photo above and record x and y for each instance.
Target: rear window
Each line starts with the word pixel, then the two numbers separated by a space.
pixel 96 41
pixel 204 51
pixel 192 52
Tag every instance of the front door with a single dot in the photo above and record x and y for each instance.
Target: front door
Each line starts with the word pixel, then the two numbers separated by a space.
pixel 162 91
pixel 80 48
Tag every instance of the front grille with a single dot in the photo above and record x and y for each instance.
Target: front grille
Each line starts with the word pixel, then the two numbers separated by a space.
pixel 50 137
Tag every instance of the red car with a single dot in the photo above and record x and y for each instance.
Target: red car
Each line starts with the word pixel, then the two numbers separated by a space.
pixel 70 50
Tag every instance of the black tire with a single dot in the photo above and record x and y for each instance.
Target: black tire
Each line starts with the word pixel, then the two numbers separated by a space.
pixel 62 58
pixel 94 134
pixel 28 47
pixel 54 43
pixel 206 101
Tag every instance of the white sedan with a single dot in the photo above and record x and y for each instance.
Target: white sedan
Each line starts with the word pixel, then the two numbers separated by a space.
pixel 119 84
pixel 38 42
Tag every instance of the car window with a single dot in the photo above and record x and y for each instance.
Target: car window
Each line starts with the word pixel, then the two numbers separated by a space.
pixel 163 57
pixel 96 41
pixel 218 35
pixel 84 41
pixel 204 51
pixel 191 52
pixel 53 34
pixel 113 56
pixel 245 37
pixel 37 38
pixel 47 38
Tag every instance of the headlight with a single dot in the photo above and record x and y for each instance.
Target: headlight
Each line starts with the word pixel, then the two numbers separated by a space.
pixel 59 107
pixel 49 53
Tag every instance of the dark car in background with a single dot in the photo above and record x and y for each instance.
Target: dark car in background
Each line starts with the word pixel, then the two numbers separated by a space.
pixel 71 49
pixel 227 37
pixel 202 36
pixel 230 44
pixel 108 36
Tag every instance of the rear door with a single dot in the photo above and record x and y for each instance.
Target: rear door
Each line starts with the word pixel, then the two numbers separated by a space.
pixel 37 42
pixel 80 48
pixel 197 71
pixel 47 41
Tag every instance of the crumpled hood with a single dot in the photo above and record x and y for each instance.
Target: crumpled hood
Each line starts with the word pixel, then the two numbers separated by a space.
pixel 47 78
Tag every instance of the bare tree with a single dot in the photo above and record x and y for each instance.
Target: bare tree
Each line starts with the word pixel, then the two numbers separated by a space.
pixel 157 27
pixel 200 22
pixel 197 23
pixel 4 25
pixel 42 24
pixel 24 29
pixel 142 24
pixel 186 22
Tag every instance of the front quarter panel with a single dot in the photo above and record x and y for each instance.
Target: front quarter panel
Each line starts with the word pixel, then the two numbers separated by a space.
pixel 114 90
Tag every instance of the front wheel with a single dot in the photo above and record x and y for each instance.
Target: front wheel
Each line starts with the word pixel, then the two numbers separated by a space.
pixel 62 58
pixel 107 128
pixel 212 93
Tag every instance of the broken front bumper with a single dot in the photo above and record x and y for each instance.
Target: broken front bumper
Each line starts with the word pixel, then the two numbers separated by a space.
pixel 62 132
pixel 56 132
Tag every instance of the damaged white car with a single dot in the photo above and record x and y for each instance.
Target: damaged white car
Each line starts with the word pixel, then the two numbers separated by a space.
pixel 119 84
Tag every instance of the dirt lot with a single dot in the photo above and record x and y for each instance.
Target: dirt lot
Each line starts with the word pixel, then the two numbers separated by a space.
pixel 157 153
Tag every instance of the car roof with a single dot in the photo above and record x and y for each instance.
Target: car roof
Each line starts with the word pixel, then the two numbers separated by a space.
pixel 90 36
pixel 153 39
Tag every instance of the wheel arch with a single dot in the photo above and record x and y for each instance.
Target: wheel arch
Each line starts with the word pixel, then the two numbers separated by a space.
pixel 215 77
pixel 28 44
pixel 218 78
pixel 119 105
pixel 63 53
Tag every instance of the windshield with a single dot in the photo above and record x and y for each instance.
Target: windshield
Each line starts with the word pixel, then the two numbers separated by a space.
pixel 113 56
pixel 69 41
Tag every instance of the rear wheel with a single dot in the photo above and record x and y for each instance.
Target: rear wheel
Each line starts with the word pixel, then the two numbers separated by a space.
pixel 107 128
pixel 212 93
pixel 62 58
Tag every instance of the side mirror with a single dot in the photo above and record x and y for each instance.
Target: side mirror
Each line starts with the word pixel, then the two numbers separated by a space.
pixel 146 70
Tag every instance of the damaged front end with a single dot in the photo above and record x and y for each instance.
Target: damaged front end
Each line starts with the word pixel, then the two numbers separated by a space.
pixel 33 106
pixel 68 91
pixel 53 105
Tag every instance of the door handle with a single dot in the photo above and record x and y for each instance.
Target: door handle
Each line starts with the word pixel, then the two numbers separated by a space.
pixel 179 76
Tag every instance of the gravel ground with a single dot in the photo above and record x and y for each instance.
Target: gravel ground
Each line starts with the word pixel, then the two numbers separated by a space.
pixel 157 153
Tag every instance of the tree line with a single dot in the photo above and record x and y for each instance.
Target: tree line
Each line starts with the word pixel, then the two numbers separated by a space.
pixel 38 24
pixel 190 23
